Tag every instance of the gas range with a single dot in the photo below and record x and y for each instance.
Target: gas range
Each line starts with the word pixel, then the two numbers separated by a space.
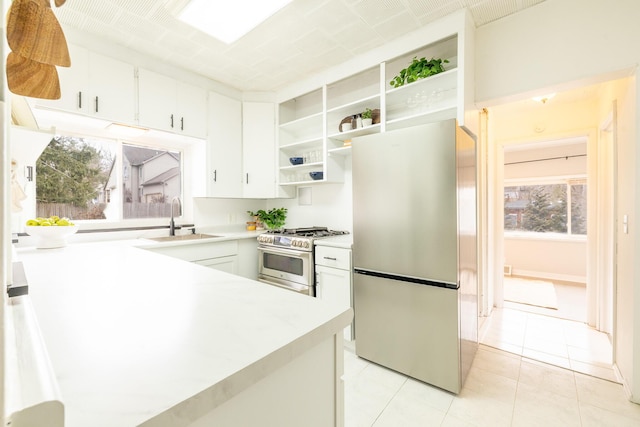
pixel 297 238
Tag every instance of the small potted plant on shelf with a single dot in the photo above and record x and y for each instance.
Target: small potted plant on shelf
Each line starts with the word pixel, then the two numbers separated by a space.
pixel 367 117
pixel 418 69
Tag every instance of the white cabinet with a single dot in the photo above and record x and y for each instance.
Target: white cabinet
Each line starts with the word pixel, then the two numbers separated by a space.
pixel 96 86
pixel 258 147
pixel 224 150
pixel 248 258
pixel 218 255
pixel 241 148
pixel 334 278
pixel 228 264
pixel 169 105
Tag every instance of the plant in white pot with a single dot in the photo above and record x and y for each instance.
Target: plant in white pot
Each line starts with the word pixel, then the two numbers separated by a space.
pixel 367 117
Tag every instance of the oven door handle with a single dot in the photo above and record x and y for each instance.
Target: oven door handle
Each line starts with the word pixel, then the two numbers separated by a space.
pixel 301 289
pixel 286 252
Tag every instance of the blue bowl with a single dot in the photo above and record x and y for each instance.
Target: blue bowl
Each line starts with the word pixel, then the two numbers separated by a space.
pixel 296 160
pixel 316 175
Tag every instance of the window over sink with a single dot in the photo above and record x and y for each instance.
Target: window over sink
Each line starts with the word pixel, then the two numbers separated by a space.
pixel 107 180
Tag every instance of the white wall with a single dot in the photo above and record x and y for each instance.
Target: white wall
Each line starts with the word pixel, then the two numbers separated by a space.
pixel 331 205
pixel 561 44
pixel 554 44
pixel 547 259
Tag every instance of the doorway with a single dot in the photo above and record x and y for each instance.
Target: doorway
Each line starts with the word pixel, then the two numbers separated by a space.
pixel 575 340
pixel 545 227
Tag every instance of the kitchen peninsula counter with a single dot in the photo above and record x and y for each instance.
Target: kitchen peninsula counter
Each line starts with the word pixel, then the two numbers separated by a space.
pixel 136 338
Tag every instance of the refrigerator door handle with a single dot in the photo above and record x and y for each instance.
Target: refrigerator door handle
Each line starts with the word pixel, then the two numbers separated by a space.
pixel 410 279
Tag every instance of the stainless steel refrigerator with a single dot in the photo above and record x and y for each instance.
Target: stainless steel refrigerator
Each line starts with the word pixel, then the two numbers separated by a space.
pixel 414 252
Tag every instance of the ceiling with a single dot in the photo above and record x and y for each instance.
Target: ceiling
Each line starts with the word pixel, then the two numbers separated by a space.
pixel 304 38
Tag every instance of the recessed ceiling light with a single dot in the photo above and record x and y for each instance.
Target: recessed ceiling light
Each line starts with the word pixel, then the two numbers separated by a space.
pixel 543 98
pixel 229 20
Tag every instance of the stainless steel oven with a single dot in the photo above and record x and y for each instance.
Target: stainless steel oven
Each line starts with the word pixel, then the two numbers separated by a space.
pixel 286 258
pixel 287 268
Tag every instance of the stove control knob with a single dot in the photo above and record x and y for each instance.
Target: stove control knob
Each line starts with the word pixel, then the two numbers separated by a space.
pixel 295 243
pixel 306 244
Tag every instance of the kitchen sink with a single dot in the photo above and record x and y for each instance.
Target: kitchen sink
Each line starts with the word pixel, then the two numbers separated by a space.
pixel 196 236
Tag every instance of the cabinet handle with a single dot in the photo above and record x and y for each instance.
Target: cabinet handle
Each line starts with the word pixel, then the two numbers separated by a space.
pixel 80 100
pixel 96 104
pixel 215 175
pixel 330 258
pixel 172 121
pixel 181 123
pixel 247 178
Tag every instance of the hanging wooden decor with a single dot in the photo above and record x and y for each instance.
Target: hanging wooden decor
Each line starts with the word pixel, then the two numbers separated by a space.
pixel 38 44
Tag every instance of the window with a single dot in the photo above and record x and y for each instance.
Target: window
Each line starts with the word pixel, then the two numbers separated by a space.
pixel 102 179
pixel 547 208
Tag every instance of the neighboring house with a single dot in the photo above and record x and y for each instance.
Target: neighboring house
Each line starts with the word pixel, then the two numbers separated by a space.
pixel 513 213
pixel 150 176
pixel 161 188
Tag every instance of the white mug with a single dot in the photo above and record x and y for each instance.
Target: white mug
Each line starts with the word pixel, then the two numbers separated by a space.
pixel 346 127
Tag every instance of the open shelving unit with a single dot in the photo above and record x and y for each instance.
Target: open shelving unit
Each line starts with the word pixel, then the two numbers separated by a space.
pixel 309 125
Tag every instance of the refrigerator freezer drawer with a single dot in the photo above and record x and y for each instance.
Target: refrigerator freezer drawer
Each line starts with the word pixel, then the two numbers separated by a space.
pixel 410 328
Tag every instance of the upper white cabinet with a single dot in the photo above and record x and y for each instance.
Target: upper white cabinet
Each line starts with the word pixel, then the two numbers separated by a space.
pixel 169 105
pixel 96 86
pixel 258 140
pixel 224 162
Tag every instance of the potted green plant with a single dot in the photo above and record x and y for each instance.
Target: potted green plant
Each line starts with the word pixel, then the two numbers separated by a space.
pixel 418 69
pixel 272 219
pixel 367 117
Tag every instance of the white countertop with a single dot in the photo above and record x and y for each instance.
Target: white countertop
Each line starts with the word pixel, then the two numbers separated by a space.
pixel 341 241
pixel 134 336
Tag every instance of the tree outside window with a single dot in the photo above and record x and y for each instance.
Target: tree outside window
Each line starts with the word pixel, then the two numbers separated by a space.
pixel 72 178
pixel 550 208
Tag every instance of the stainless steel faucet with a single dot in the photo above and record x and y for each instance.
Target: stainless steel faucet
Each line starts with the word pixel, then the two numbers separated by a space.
pixel 172 225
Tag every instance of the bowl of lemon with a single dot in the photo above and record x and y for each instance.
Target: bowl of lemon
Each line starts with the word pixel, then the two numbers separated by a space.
pixel 50 232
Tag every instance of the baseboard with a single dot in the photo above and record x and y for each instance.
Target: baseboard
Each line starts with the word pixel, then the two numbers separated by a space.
pixel 549 276
pixel 625 385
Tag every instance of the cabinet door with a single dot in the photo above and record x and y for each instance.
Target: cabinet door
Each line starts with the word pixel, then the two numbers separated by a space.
pixel 228 264
pixel 74 84
pixel 112 89
pixel 258 139
pixel 156 101
pixel 191 110
pixel 334 285
pixel 224 165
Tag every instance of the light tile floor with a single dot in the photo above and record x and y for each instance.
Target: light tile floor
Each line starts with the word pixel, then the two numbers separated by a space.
pixel 502 389
pixel 565 343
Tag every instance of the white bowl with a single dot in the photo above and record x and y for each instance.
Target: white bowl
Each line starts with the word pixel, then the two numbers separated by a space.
pixel 52 236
